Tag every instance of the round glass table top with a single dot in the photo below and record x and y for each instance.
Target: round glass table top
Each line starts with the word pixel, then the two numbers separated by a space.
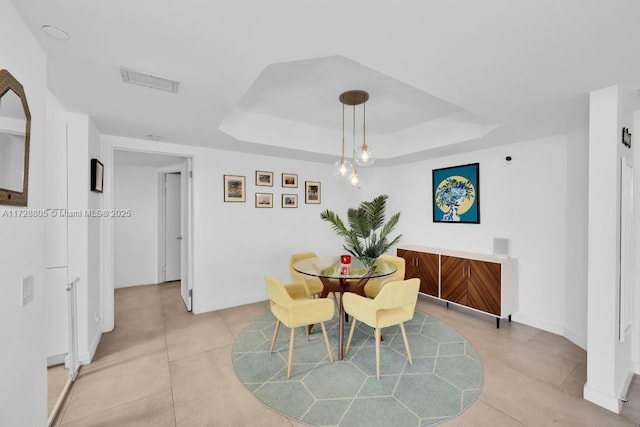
pixel 331 267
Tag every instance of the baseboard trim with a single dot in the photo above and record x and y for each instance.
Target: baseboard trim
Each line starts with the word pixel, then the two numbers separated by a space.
pixel 58 359
pixel 626 385
pixel 577 339
pixel 219 305
pixel 86 357
pixel 610 403
pixel 538 324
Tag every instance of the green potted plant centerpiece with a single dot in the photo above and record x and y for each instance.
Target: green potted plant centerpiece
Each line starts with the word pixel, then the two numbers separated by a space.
pixel 362 239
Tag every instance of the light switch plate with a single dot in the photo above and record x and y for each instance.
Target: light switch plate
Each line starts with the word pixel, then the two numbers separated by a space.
pixel 27 290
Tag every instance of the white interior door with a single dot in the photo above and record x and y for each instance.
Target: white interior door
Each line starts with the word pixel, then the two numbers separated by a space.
pixel 187 231
pixel 173 233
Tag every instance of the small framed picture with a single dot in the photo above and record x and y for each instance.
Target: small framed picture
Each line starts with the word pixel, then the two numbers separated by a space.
pixel 97 175
pixel 234 188
pixel 312 192
pixel 264 178
pixel 289 200
pixel 264 200
pixel 290 180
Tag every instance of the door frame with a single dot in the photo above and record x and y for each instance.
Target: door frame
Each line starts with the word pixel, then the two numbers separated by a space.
pixel 107 284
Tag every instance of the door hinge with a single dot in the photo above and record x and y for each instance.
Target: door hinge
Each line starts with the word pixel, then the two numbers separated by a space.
pixel 190 293
pixel 190 174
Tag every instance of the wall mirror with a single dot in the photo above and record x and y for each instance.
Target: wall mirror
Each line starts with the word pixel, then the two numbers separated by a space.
pixel 15 130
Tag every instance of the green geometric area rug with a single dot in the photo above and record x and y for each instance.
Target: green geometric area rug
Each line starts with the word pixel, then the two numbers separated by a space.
pixel 444 380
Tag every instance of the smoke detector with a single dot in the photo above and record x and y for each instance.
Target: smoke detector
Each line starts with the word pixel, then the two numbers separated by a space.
pixel 149 80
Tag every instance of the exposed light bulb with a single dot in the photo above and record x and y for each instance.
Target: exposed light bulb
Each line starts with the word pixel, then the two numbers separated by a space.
pixel 342 168
pixel 365 156
pixel 354 181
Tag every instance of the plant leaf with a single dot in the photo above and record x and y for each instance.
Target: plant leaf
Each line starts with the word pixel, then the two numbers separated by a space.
pixel 361 238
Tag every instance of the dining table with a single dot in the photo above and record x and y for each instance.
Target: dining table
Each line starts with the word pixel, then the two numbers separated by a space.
pixel 339 276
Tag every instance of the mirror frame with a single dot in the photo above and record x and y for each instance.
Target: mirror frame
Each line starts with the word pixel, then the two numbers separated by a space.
pixel 8 197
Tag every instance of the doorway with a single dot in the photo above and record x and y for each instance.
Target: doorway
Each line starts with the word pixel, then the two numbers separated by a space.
pixel 152 243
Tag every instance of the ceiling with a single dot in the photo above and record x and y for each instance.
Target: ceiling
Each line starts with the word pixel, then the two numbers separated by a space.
pixel 497 71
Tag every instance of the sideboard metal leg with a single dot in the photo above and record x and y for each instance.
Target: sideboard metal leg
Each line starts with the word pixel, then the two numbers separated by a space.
pixel 509 318
pixel 497 323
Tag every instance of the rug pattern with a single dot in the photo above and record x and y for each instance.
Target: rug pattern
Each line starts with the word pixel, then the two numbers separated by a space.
pixel 444 380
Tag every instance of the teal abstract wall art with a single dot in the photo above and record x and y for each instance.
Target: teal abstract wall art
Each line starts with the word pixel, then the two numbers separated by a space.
pixel 456 194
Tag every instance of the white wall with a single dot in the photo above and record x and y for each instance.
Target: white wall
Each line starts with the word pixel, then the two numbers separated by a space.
pixel 57 326
pixel 538 202
pixel 73 240
pixel 94 249
pixel 635 330
pixel 84 232
pixel 136 237
pixel 22 359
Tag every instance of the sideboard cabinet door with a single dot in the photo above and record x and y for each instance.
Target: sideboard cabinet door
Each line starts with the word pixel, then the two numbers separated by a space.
pixel 424 266
pixel 453 276
pixel 410 268
pixel 428 273
pixel 483 291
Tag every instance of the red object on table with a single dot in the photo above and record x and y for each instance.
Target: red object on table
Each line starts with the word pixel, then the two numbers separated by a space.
pixel 345 259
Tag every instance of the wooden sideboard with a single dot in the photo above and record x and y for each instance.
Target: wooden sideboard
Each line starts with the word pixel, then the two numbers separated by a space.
pixel 480 282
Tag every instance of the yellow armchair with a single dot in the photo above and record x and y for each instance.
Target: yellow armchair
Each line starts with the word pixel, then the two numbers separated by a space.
pixel 394 305
pixel 290 306
pixel 313 286
pixel 373 286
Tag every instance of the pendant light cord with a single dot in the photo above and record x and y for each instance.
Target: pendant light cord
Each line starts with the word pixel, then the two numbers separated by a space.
pixel 354 139
pixel 364 123
pixel 342 158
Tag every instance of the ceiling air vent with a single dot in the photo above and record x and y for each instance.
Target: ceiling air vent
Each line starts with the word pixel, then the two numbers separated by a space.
pixel 149 80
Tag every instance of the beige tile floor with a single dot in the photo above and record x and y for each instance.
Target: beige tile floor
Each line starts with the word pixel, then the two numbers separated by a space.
pixel 163 366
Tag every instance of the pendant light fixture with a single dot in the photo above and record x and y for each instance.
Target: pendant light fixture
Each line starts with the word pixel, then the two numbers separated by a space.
pixel 353 98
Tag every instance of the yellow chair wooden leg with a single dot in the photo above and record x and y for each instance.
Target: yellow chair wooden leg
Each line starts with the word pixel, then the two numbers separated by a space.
pixel 353 328
pixel 406 343
pixel 291 340
pixel 275 335
pixel 326 341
